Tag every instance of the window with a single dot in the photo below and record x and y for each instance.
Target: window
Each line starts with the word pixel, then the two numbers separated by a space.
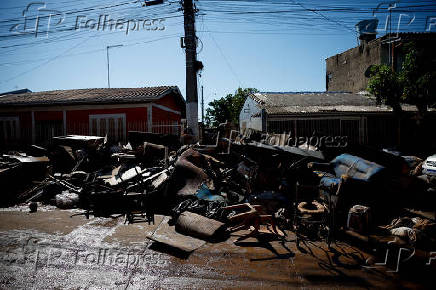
pixel 9 129
pixel 352 127
pixel 45 130
pixel 112 125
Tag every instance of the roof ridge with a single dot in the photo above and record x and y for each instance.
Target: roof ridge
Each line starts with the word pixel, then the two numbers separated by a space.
pixel 90 95
pixel 83 89
pixel 308 92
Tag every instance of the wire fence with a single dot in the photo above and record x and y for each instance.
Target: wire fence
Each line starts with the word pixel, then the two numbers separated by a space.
pixel 44 131
pixel 167 127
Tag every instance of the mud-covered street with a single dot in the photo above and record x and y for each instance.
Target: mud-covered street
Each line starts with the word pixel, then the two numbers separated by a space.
pixel 211 144
pixel 49 249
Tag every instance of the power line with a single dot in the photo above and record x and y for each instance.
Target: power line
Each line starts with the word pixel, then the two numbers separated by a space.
pixel 88 9
pixel 273 13
pixel 278 21
pixel 73 36
pixel 70 49
pixel 176 35
pixel 125 17
pixel 226 60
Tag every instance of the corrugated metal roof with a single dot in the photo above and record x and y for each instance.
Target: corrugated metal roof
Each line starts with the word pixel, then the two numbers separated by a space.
pixel 313 99
pixel 317 102
pixel 332 109
pixel 88 96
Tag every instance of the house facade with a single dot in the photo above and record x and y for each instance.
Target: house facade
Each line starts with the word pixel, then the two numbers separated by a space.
pixel 355 116
pixel 349 71
pixel 36 117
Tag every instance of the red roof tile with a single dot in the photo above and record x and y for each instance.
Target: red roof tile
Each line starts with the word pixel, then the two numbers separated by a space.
pixel 88 96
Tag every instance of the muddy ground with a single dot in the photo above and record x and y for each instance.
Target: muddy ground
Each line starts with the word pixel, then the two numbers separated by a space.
pixel 51 250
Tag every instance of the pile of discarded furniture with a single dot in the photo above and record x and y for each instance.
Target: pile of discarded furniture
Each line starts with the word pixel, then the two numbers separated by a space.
pixel 237 183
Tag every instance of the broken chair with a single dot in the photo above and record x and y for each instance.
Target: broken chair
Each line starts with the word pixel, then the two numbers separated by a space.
pixel 138 207
pixel 311 216
pixel 253 216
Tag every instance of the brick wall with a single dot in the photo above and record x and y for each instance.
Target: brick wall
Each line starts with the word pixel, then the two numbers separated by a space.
pixel 347 71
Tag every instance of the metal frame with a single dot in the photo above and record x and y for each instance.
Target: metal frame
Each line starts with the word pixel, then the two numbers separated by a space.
pixel 9 121
pixel 326 219
pixel 98 117
pixel 363 129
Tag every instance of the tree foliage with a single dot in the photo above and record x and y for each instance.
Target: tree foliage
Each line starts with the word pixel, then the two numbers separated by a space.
pixel 415 84
pixel 227 108
pixel 385 86
pixel 418 78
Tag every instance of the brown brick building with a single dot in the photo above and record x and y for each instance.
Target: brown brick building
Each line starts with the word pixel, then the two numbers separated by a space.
pixel 349 71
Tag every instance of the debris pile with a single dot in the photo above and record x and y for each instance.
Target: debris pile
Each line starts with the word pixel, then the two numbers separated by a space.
pixel 17 171
pixel 240 182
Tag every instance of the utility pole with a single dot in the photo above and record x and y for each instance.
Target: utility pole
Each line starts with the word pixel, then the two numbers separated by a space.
pixel 202 105
pixel 390 36
pixel 107 56
pixel 191 67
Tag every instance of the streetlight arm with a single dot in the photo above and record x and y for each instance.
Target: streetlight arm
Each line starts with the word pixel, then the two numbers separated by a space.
pixel 107 56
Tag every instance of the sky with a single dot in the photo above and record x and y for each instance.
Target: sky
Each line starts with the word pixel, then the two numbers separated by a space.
pixel 271 45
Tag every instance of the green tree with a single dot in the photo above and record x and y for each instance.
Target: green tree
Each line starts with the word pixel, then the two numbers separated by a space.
pixel 384 84
pixel 418 78
pixel 227 108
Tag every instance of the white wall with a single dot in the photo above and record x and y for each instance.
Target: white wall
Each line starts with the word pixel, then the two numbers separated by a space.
pixel 245 116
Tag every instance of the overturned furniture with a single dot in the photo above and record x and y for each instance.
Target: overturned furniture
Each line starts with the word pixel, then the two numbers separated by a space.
pixel 348 180
pixel 17 172
pixel 252 216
